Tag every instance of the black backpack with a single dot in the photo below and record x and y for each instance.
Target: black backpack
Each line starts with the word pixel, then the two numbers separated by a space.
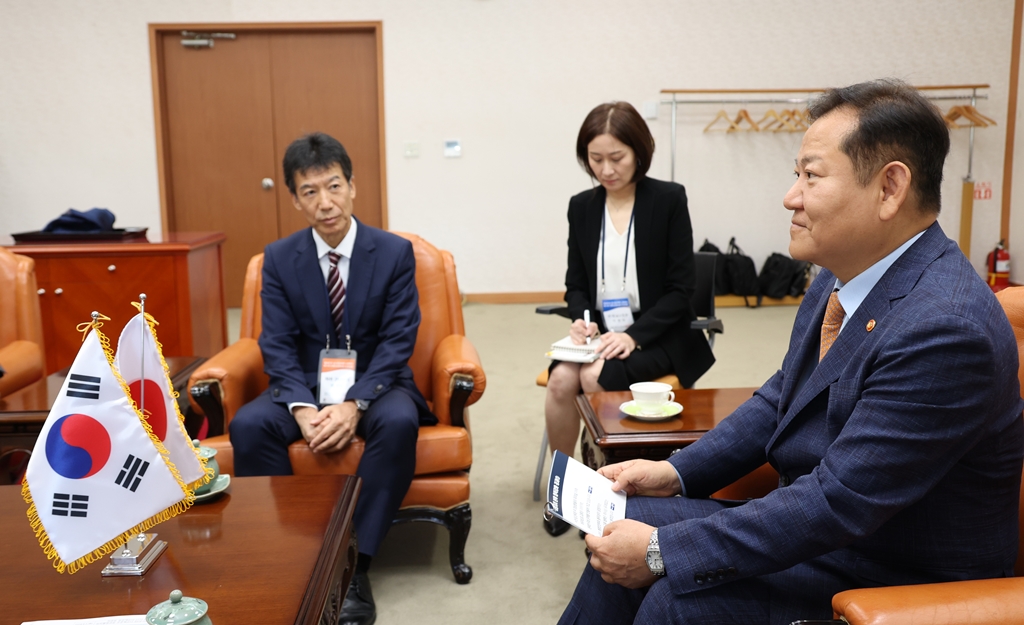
pixel 721 277
pixel 782 275
pixel 741 271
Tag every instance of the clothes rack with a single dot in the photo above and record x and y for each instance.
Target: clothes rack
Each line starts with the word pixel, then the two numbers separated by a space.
pixel 969 92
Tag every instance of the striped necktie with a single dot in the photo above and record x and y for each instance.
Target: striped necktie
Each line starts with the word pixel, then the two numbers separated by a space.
pixel 830 326
pixel 336 292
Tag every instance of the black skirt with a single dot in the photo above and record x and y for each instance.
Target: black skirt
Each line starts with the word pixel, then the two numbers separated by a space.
pixel 643 365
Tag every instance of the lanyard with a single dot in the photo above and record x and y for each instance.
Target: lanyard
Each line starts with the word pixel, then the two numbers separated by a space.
pixel 625 263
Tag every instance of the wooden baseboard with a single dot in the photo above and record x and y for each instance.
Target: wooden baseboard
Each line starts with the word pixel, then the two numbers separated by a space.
pixel 551 297
pixel 736 301
pixel 530 297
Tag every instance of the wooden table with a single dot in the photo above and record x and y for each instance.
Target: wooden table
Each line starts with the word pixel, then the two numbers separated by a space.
pixel 610 436
pixel 23 412
pixel 273 550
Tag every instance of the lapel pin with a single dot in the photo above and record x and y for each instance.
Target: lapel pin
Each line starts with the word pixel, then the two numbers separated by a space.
pixel 871 325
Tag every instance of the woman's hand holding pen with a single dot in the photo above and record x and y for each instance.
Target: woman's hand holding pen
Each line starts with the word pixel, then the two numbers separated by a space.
pixel 580 330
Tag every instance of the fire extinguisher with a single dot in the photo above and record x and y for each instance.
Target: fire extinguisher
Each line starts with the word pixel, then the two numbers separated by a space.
pixel 998 268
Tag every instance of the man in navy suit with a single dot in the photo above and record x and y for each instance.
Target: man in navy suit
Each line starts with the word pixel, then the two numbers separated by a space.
pixel 338 284
pixel 894 422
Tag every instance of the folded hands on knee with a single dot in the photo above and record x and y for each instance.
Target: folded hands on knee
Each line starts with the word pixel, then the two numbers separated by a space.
pixel 329 429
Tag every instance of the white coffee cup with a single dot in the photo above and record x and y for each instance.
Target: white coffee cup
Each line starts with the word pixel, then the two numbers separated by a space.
pixel 651 396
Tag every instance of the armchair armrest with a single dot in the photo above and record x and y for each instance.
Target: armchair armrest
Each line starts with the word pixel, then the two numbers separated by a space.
pixel 553 309
pixel 978 602
pixel 23 364
pixel 709 325
pixel 458 378
pixel 222 384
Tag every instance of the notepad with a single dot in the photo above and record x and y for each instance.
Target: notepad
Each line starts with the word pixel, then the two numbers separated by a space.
pixel 567 351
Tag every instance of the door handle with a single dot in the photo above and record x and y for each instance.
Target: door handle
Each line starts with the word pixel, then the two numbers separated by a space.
pixel 267 184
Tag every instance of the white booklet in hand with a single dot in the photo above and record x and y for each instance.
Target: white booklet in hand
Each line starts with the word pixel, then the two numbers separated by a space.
pixel 567 351
pixel 581 496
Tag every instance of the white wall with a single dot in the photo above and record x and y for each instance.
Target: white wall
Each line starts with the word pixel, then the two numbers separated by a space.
pixel 512 79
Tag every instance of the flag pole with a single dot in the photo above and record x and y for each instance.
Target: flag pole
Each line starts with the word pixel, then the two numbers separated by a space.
pixel 142 356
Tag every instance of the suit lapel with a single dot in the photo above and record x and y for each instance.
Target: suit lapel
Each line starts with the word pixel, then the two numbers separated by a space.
pixel 643 227
pixel 360 276
pixel 311 277
pixel 897 281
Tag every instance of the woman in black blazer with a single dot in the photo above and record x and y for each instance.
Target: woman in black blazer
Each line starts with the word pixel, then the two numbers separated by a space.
pixel 647 220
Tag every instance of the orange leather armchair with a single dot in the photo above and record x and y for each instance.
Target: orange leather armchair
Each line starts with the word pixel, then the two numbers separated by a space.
pixel 978 602
pixel 446 369
pixel 21 331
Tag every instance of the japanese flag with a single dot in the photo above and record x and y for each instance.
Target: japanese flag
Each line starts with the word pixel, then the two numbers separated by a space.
pixel 139 353
pixel 97 477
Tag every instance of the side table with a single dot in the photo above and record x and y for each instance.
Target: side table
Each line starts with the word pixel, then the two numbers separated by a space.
pixel 610 436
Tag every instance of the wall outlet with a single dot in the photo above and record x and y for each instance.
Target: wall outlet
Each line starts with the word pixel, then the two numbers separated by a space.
pixel 412 149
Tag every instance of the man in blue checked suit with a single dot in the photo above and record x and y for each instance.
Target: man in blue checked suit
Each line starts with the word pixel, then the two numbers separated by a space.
pixel 338 284
pixel 894 422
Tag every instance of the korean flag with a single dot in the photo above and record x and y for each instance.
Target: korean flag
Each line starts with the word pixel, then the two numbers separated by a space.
pixel 138 356
pixel 97 477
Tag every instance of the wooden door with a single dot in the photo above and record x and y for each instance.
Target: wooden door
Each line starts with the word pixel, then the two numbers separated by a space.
pixel 327 82
pixel 226 114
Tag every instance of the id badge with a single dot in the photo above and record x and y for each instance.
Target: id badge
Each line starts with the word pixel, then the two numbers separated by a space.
pixel 616 311
pixel 337 375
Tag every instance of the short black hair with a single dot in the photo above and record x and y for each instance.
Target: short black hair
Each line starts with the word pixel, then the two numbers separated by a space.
pixel 620 120
pixel 315 152
pixel 895 122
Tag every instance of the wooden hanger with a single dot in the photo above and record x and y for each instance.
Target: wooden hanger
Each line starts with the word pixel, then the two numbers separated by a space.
pixel 800 120
pixel 770 119
pixel 744 116
pixel 786 122
pixel 976 117
pixel 968 113
pixel 723 116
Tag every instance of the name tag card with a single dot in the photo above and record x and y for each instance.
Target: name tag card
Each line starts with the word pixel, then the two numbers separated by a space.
pixel 337 375
pixel 616 311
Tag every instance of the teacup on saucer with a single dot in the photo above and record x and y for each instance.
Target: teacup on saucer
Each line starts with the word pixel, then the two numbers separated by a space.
pixel 651 397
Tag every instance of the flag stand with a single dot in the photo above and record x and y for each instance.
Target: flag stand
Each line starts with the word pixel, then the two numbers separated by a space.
pixel 135 557
pixel 141 552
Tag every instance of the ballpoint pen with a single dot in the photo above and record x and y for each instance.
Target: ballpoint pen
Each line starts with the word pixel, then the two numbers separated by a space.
pixel 586 320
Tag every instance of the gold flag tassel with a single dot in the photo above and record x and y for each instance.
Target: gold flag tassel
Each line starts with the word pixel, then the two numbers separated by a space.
pixel 96 323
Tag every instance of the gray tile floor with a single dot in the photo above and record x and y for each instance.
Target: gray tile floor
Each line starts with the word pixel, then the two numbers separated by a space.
pixel 520 574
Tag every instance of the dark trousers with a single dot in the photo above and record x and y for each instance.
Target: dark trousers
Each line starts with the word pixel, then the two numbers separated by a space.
pixel 262 431
pixel 801 592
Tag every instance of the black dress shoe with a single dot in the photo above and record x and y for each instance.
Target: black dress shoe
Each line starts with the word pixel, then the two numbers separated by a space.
pixel 556 526
pixel 358 608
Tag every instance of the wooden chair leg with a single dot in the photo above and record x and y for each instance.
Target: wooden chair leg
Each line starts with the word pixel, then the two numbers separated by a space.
pixel 458 520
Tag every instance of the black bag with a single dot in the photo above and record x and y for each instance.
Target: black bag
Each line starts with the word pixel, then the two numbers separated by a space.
pixel 741 271
pixel 782 275
pixel 721 277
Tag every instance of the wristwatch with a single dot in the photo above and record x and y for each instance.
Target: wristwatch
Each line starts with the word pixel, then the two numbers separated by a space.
pixel 654 561
pixel 362 405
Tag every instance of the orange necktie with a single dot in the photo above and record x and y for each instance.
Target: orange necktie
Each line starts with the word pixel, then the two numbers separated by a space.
pixel 834 314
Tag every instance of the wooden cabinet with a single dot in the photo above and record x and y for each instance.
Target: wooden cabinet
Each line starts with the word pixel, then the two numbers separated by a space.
pixel 180 275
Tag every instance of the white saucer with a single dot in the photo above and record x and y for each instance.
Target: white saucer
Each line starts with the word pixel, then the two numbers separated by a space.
pixel 219 486
pixel 666 411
